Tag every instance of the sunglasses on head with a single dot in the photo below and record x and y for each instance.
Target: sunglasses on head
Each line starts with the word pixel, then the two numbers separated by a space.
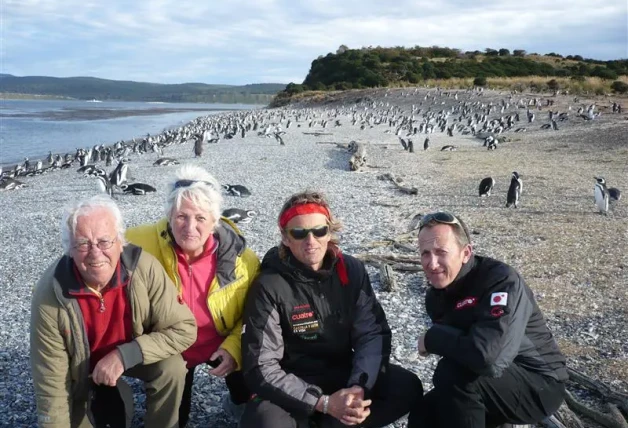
pixel 300 233
pixel 187 183
pixel 444 218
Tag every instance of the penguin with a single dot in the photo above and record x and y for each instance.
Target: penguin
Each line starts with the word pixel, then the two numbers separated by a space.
pixel 11 184
pixel 426 144
pixel 614 194
pixel 448 148
pixel 600 192
pixel 237 215
pixel 486 186
pixel 514 191
pixel 137 188
pixel 105 185
pixel 198 147
pixel 237 190
pixel 166 162
pixel 118 175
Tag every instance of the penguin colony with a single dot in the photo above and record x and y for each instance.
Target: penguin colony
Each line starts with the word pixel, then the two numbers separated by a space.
pixel 471 116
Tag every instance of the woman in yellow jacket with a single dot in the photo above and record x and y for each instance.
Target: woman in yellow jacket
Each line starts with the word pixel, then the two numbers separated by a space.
pixel 207 259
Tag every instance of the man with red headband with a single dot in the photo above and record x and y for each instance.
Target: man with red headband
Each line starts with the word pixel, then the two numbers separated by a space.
pixel 315 341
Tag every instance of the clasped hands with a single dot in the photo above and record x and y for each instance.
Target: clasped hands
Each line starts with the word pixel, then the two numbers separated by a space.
pixel 347 405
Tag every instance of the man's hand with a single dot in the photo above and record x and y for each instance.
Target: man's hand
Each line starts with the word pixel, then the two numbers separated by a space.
pixel 422 351
pixel 347 405
pixel 227 366
pixel 109 369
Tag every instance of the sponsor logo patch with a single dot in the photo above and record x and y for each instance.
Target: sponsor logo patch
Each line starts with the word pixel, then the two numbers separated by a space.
pixel 466 302
pixel 304 322
pixel 499 299
pixel 497 312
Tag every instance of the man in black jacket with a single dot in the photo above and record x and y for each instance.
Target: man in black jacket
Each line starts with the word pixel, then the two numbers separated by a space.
pixel 500 361
pixel 315 341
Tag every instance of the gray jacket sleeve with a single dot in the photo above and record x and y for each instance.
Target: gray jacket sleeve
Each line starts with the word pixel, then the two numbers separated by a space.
pixel 370 335
pixel 262 350
pixel 493 341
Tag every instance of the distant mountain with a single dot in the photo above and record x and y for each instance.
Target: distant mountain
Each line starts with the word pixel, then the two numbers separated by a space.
pixel 87 88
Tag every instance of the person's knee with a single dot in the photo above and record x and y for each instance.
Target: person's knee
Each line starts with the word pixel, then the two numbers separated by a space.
pixel 264 414
pixel 449 374
pixel 405 382
pixel 171 370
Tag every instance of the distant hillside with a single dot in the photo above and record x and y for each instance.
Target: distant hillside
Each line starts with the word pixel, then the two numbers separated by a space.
pixel 379 67
pixel 87 88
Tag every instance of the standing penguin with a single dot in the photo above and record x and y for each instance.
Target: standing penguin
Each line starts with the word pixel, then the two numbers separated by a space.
pixel 426 144
pixel 514 191
pixel 198 147
pixel 118 175
pixel 601 195
pixel 486 185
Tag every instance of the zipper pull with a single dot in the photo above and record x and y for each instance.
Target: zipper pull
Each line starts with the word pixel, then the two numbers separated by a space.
pixel 101 309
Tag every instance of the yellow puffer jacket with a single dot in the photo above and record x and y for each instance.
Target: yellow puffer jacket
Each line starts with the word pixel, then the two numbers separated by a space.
pixel 237 266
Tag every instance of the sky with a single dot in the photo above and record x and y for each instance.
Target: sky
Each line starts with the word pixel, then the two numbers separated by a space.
pixel 236 42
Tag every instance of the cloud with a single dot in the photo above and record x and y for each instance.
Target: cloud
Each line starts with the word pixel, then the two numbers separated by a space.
pixel 244 41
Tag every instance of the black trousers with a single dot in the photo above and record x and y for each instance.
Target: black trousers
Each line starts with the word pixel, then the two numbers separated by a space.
pixel 463 399
pixel 238 392
pixel 400 390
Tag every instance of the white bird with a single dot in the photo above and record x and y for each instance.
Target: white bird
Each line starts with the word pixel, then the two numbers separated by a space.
pixel 601 195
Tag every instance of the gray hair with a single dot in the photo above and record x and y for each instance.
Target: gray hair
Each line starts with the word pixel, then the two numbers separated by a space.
pixel 198 186
pixel 72 212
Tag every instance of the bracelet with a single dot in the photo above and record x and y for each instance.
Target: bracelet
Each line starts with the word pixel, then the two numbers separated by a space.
pixel 325 403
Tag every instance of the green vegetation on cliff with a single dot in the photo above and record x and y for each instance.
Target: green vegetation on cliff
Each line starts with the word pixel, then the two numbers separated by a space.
pixel 379 67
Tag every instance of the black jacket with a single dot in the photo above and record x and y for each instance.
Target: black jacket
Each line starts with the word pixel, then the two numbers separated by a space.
pixel 305 333
pixel 487 319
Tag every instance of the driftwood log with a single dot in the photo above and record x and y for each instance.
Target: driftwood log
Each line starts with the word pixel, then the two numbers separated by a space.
pixel 397 182
pixel 387 277
pixel 317 134
pixel 358 158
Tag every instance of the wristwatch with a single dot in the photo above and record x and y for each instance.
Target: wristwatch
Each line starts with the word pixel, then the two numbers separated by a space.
pixel 325 404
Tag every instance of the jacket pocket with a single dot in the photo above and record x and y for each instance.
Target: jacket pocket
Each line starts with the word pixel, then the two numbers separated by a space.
pixel 227 305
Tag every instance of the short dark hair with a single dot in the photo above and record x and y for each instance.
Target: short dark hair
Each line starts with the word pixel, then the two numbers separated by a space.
pixel 461 232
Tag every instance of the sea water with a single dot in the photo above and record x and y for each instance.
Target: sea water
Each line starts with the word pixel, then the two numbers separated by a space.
pixel 32 128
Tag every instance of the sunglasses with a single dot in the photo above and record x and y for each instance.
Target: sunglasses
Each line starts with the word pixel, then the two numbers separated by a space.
pixel 300 233
pixel 187 183
pixel 444 218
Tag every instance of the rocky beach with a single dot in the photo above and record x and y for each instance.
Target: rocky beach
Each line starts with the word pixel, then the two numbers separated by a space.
pixel 573 258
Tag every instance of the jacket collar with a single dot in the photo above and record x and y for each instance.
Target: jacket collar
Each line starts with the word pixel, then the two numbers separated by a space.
pixel 458 284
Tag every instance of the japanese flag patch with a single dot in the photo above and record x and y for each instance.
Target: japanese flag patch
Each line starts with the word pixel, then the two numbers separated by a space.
pixel 499 299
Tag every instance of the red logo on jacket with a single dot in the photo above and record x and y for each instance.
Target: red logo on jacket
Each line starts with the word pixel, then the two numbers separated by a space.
pixel 302 315
pixel 467 301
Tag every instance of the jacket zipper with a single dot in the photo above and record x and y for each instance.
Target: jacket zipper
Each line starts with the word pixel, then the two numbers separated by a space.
pixel 98 294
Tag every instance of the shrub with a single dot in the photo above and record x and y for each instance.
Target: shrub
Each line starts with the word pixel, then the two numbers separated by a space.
pixel 619 87
pixel 553 85
pixel 479 81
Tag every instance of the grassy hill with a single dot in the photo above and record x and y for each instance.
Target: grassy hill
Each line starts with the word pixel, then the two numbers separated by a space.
pixel 399 66
pixel 87 88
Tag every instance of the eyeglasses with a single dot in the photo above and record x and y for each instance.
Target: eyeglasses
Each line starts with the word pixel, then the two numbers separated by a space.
pixel 187 183
pixel 300 233
pixel 86 246
pixel 444 218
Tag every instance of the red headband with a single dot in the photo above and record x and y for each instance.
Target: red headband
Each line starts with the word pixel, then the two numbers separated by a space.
pixel 302 209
